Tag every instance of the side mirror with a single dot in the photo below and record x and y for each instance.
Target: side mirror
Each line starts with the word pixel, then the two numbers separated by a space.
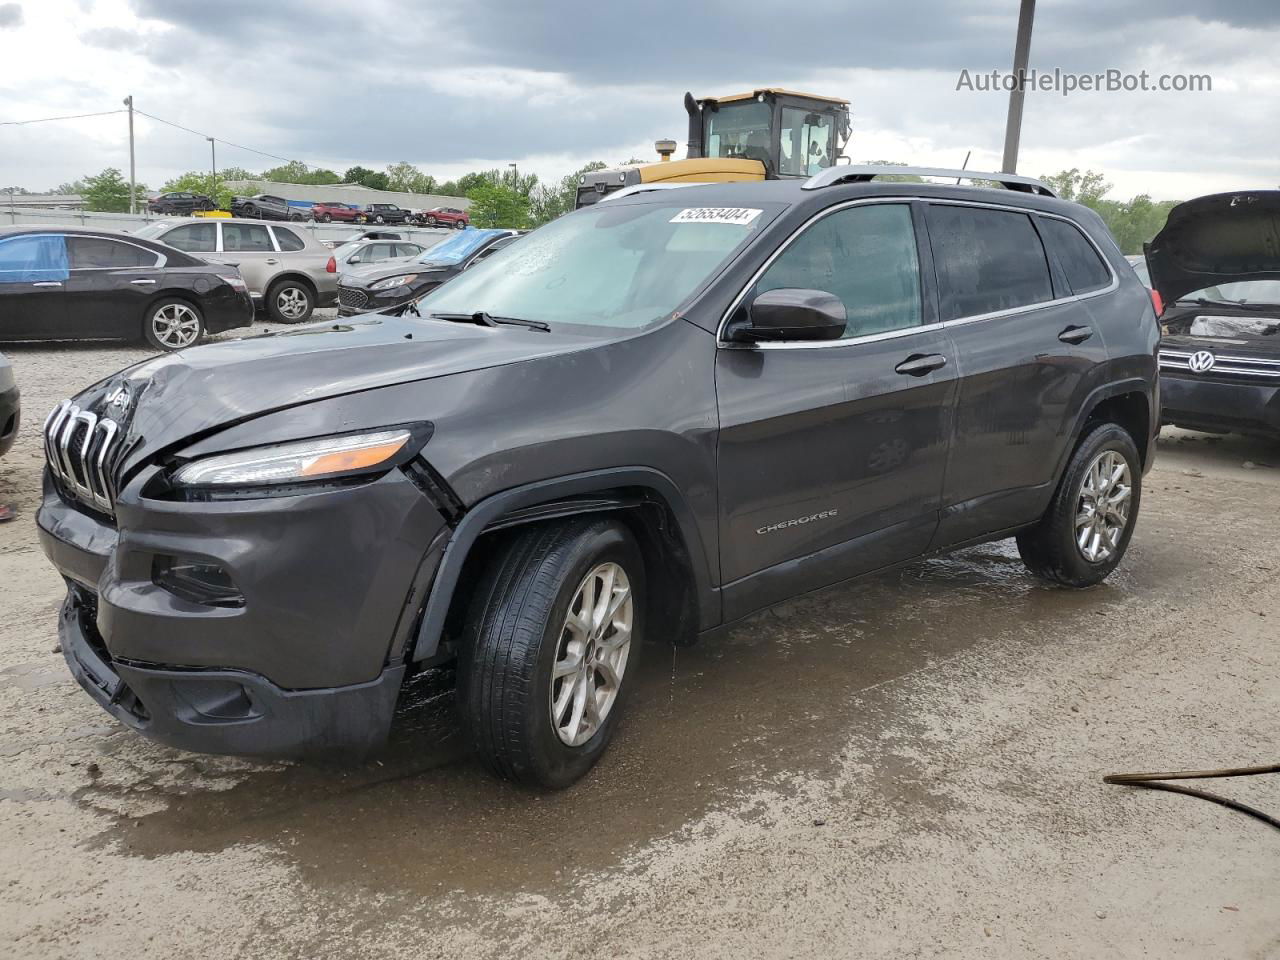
pixel 353 259
pixel 789 314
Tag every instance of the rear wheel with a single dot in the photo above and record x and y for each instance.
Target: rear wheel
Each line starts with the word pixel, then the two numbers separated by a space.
pixel 553 639
pixel 290 301
pixel 326 218
pixel 173 324
pixel 459 225
pixel 1084 534
pixel 379 219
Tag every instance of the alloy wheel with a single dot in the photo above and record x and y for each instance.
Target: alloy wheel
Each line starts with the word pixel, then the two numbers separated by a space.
pixel 591 654
pixel 292 302
pixel 1102 512
pixel 176 325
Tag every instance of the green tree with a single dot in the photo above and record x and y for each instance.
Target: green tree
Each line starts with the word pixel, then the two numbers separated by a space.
pixel 16 191
pixel 1088 188
pixel 236 173
pixel 406 177
pixel 1132 222
pixel 108 192
pixel 291 172
pixel 75 186
pixel 366 177
pixel 494 206
pixel 553 200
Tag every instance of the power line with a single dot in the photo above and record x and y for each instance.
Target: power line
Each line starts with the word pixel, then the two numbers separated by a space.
pixel 74 116
pixel 206 136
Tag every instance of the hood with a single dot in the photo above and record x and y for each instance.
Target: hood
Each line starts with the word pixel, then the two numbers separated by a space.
pixel 1221 238
pixel 366 273
pixel 176 396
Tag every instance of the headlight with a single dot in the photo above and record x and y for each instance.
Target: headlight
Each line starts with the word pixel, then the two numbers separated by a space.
pixel 391 282
pixel 284 463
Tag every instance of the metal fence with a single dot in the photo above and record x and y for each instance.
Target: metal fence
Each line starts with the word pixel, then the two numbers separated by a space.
pixel 13 216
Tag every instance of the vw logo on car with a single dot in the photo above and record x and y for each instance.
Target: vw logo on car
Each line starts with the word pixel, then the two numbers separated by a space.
pixel 1201 361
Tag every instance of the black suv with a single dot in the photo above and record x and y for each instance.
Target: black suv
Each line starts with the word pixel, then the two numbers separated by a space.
pixel 642 422
pixel 267 207
pixel 385 213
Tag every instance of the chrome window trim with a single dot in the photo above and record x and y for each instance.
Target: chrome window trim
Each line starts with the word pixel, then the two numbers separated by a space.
pixel 907 331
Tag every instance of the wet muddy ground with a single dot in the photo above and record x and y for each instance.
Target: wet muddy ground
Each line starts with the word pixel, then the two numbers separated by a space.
pixel 908 766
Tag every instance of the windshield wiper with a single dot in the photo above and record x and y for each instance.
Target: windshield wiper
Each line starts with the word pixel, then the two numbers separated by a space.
pixel 1241 304
pixel 484 319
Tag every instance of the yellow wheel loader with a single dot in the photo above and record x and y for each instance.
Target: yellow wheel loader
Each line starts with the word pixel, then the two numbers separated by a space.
pixel 761 135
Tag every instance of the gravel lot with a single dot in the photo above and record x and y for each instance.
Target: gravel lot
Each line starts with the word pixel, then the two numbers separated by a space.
pixel 907 767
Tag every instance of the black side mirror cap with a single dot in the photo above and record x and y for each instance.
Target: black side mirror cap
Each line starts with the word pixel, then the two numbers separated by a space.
pixel 789 314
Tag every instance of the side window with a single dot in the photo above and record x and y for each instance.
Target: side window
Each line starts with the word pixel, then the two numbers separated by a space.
pixel 866 256
pixel 407 250
pixel 1080 261
pixel 34 259
pixel 245 236
pixel 98 252
pixel 193 237
pixel 288 240
pixel 378 251
pixel 986 260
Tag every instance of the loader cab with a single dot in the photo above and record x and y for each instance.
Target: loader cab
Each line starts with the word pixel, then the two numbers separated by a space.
pixel 792 134
pixel 766 134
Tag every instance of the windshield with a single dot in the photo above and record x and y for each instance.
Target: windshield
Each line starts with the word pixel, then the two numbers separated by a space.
pixel 456 249
pixel 609 265
pixel 740 130
pixel 1240 291
pixel 153 230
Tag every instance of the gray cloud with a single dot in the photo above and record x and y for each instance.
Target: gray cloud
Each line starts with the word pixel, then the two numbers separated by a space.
pixel 10 15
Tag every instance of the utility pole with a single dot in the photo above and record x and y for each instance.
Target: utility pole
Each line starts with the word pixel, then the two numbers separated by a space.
pixel 133 190
pixel 213 157
pixel 1021 52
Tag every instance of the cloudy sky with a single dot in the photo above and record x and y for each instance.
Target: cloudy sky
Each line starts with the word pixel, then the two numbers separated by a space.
pixel 454 86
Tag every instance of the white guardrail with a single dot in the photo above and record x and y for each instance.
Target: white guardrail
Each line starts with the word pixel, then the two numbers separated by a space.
pixel 130 222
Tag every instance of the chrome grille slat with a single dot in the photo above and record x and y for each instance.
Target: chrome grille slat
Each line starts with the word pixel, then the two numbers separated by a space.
pixel 1225 365
pixel 82 464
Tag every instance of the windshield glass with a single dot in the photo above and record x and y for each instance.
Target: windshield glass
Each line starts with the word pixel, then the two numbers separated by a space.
pixel 153 230
pixel 456 249
pixel 739 130
pixel 610 265
pixel 1241 291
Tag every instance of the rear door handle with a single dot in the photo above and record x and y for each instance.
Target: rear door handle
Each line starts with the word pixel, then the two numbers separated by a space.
pixel 141 283
pixel 47 283
pixel 917 365
pixel 272 260
pixel 1075 334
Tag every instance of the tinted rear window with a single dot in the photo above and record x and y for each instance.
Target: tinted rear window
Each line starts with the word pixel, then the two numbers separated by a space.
pixel 101 252
pixel 1079 258
pixel 986 260
pixel 288 240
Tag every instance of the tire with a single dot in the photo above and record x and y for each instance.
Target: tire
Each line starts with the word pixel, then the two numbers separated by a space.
pixel 518 628
pixel 250 213
pixel 326 218
pixel 1051 549
pixel 379 219
pixel 172 323
pixel 290 301
pixel 431 221
pixel 459 225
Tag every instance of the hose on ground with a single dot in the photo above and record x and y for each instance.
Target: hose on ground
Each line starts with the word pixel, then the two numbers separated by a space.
pixel 1155 781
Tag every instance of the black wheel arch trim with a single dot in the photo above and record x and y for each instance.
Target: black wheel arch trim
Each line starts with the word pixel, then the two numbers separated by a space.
pixel 1108 391
pixel 559 497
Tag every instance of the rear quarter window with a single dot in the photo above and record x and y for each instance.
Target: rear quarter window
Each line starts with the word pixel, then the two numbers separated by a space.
pixel 288 240
pixel 986 260
pixel 1083 266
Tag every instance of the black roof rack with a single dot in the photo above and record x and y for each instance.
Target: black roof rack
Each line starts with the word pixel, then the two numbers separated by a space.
pixel 862 174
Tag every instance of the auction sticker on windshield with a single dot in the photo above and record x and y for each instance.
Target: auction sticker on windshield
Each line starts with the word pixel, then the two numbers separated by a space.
pixel 740 216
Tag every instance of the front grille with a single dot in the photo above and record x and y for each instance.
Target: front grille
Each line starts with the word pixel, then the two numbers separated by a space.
pixel 352 298
pixel 1224 367
pixel 81 448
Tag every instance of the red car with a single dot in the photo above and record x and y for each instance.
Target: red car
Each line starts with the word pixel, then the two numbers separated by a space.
pixel 444 217
pixel 328 212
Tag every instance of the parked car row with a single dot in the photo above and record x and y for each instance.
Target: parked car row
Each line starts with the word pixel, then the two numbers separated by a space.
pixel 265 206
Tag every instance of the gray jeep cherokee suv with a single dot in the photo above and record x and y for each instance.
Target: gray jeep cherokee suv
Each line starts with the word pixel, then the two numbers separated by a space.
pixel 641 423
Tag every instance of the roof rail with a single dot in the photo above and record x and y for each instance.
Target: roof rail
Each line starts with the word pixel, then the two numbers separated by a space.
pixel 862 174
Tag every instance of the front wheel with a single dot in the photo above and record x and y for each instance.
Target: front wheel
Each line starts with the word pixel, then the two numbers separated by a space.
pixel 553 638
pixel 172 324
pixel 379 219
pixel 459 225
pixel 290 301
pixel 1084 534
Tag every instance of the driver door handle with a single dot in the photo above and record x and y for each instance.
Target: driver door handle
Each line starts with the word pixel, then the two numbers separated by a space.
pixel 1075 334
pixel 47 283
pixel 143 282
pixel 918 365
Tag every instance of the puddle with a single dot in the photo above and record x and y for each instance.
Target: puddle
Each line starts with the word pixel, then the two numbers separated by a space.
pixel 705 725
